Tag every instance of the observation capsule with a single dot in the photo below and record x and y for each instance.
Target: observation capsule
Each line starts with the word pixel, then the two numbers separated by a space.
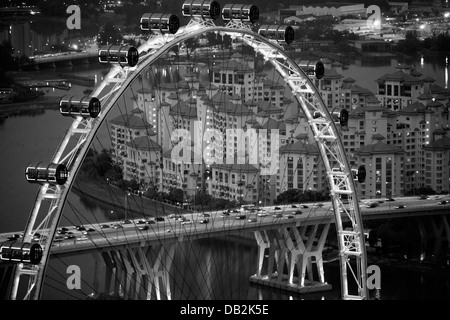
pixel 205 9
pixel 340 117
pixel 117 54
pixel 243 12
pixel 160 22
pixel 362 174
pixel 312 68
pixel 343 117
pixel 52 173
pixel 76 106
pixel 21 252
pixel 278 33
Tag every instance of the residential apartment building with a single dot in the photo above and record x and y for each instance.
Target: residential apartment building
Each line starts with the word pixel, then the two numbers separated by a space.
pixel 142 162
pixel 235 182
pixel 437 165
pixel 399 89
pixel 384 170
pixel 125 128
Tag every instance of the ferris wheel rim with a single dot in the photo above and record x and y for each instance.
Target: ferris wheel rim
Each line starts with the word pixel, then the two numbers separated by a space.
pixel 148 60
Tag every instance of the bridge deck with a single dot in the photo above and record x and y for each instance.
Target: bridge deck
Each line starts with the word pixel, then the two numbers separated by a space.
pixel 173 230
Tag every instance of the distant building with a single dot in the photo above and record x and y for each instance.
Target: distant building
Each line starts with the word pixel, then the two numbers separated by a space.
pixel 142 161
pixel 437 168
pixel 384 170
pixel 399 89
pixel 371 45
pixel 335 9
pixel 293 20
pixel 398 7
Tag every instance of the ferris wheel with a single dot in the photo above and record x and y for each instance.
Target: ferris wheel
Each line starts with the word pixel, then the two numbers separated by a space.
pixel 135 76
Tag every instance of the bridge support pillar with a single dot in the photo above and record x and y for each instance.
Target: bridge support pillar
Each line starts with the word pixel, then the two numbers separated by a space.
pixel 108 271
pixel 159 270
pixel 292 251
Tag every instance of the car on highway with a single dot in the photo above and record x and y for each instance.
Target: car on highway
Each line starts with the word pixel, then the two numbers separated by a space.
pixel 205 215
pixel 390 199
pixel 205 220
pixel 289 216
pixel 62 230
pixel 81 238
pixel 141 221
pixel 150 221
pixel 423 197
pixel 298 212
pixel 443 202
pixel 105 226
pixel 58 239
pixel 15 236
pixel 80 228
pixel 144 228
pixel 225 214
pixel 117 226
pixel 126 222
pixel 277 215
pixel 277 208
pixel 36 237
pixel 262 214
pixel 372 205
pixel 399 207
pixel 304 206
pixel 241 217
pixel 159 219
pixel 294 206
pixel 186 221
pixel 252 220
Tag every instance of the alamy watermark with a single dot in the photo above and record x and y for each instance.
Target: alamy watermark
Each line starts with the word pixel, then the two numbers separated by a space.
pixel 74 280
pixel 74 21
pixel 250 146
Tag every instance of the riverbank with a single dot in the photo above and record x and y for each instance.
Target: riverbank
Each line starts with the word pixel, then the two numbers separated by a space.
pixel 122 203
pixel 41 103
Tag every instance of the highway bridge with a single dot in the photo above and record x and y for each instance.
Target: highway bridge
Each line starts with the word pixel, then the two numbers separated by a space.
pixel 192 225
pixel 51 60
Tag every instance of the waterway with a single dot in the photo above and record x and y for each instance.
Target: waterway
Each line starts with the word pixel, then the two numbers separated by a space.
pixel 34 136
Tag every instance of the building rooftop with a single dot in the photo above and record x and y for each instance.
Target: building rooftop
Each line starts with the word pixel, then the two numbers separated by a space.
pixel 131 121
pixel 438 145
pixel 399 76
pixel 379 148
pixel 184 110
pixel 299 147
pixel 144 143
pixel 414 108
pixel 274 124
pixel 235 66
